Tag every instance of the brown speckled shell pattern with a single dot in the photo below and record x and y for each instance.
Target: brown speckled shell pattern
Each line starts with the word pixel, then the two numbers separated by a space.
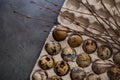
pixel 94 59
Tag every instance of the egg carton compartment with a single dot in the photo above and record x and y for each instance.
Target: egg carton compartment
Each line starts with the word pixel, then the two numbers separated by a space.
pixel 72 64
pixel 72 46
pixel 84 12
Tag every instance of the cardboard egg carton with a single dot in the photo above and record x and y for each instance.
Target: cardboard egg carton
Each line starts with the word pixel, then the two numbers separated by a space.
pixel 71 12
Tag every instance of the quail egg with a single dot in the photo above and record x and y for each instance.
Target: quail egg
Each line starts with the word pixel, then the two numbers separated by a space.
pixel 75 40
pixel 89 46
pixel 77 74
pixel 116 58
pixel 100 66
pixel 93 76
pixel 53 48
pixel 61 68
pixel 39 75
pixel 114 73
pixel 83 60
pixel 104 52
pixel 55 78
pixel 46 62
pixel 60 33
pixel 68 54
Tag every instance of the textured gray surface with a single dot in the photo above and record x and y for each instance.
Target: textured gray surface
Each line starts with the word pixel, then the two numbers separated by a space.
pixel 21 39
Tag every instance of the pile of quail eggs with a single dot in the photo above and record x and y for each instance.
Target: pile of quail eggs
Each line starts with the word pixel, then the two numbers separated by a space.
pixel 106 62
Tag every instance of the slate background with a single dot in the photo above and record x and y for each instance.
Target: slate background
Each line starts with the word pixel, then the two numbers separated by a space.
pixel 21 39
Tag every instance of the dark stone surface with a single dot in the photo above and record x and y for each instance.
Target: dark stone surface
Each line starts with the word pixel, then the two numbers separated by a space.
pixel 21 39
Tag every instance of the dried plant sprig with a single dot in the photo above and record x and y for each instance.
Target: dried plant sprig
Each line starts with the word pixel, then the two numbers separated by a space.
pixel 31 17
pixel 104 19
pixel 55 11
pixel 93 12
pixel 86 32
pixel 113 4
pixel 79 24
pixel 70 30
pixel 55 4
pixel 86 14
pixel 110 14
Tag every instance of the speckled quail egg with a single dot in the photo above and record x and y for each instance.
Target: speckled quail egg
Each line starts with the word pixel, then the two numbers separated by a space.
pixel 114 73
pixel 101 66
pixel 68 54
pixel 53 48
pixel 75 40
pixel 55 78
pixel 61 68
pixel 93 76
pixel 77 74
pixel 83 60
pixel 60 33
pixel 116 58
pixel 104 52
pixel 89 46
pixel 46 62
pixel 39 75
